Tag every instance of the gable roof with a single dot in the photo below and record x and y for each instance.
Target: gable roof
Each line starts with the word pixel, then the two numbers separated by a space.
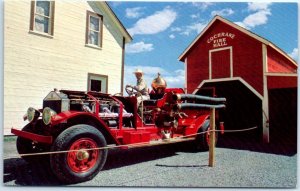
pixel 249 33
pixel 116 20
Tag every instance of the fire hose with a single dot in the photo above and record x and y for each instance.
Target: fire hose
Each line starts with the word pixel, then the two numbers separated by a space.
pixel 192 97
pixel 182 106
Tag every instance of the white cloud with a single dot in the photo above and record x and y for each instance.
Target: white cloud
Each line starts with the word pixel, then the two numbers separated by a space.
pixel 158 22
pixel 241 24
pixel 258 6
pixel 135 12
pixel 202 5
pixel 139 47
pixel 176 80
pixel 173 78
pixel 260 17
pixel 195 16
pixel 171 36
pixel 115 3
pixel 294 54
pixel 176 29
pixel 195 27
pixel 223 12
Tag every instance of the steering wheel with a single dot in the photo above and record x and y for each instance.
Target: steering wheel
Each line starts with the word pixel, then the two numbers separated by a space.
pixel 131 91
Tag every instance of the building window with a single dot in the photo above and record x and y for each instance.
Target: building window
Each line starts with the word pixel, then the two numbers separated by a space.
pixel 94 29
pixel 42 17
pixel 97 82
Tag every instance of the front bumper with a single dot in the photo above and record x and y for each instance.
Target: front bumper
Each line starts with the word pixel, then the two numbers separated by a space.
pixel 32 136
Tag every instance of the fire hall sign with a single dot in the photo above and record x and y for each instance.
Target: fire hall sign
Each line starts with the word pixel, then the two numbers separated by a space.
pixel 220 39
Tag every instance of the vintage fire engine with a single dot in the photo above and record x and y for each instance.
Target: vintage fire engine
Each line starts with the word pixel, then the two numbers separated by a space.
pixel 82 122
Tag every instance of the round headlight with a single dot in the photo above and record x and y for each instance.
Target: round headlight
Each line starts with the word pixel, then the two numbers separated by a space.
pixel 32 114
pixel 47 115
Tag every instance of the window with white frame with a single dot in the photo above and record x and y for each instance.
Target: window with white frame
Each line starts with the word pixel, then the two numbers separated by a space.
pixel 42 17
pixel 97 82
pixel 94 29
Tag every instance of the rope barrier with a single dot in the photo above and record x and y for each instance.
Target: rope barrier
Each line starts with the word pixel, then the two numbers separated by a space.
pixel 168 141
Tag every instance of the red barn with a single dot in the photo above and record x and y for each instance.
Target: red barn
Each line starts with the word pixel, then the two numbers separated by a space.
pixel 258 79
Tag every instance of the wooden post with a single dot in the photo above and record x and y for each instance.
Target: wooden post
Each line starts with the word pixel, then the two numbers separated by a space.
pixel 212 138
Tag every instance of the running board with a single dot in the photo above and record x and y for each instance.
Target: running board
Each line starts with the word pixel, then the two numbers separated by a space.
pixel 159 142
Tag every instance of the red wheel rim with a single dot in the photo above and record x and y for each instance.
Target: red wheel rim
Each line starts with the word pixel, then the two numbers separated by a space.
pixel 82 160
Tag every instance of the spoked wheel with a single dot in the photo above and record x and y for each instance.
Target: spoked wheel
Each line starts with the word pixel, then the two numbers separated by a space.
pixel 202 141
pixel 84 159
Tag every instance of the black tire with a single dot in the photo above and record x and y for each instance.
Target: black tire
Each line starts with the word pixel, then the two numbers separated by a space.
pixel 201 142
pixel 26 146
pixel 60 163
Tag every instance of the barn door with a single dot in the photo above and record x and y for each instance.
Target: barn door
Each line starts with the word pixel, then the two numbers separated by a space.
pixel 220 63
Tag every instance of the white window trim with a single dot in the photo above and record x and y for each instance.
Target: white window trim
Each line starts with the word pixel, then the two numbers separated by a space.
pixel 93 76
pixel 100 32
pixel 40 33
pixel 231 60
pixel 265 101
pixel 50 24
pixel 230 79
pixel 93 46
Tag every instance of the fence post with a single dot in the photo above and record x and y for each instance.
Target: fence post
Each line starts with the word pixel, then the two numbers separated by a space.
pixel 212 138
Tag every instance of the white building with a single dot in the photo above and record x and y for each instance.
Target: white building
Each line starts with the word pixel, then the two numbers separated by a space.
pixel 74 45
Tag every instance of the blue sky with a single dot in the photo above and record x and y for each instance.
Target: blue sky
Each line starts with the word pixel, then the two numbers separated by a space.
pixel 162 30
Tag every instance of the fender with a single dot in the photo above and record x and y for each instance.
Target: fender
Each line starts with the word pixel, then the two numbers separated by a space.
pixel 67 115
pixel 200 121
pixel 193 126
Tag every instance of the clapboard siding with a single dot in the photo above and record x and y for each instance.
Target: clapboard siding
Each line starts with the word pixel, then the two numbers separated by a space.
pixel 34 64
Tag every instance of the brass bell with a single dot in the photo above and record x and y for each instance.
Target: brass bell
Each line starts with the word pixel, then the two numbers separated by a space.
pixel 159 84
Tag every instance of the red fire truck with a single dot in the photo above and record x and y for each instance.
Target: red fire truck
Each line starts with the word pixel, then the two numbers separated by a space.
pixel 86 124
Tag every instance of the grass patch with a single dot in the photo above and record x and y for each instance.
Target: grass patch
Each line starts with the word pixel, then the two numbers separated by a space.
pixel 9 138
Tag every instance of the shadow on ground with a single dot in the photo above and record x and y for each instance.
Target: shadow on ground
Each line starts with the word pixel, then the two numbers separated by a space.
pixel 284 146
pixel 25 174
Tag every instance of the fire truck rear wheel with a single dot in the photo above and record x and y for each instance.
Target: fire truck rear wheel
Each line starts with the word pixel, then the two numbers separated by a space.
pixel 26 146
pixel 84 162
pixel 202 140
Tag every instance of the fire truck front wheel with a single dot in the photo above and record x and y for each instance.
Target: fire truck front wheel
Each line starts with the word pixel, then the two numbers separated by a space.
pixel 85 158
pixel 26 146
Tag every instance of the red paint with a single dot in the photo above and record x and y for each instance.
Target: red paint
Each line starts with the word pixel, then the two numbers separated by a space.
pixel 222 127
pixel 32 136
pixel 158 123
pixel 136 137
pixel 246 52
pixel 78 165
pixel 278 63
pixel 281 82
pixel 188 124
pixel 247 59
pixel 66 115
pixel 220 63
pixel 253 59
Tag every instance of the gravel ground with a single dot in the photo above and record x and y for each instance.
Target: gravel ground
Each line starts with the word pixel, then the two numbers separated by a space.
pixel 238 164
